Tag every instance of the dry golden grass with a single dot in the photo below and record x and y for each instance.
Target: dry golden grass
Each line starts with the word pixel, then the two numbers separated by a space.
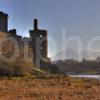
pixel 60 88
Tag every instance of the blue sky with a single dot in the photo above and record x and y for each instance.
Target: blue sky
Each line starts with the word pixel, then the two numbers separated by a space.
pixel 80 18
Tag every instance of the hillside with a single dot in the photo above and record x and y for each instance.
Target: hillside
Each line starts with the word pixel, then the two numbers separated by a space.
pixel 75 67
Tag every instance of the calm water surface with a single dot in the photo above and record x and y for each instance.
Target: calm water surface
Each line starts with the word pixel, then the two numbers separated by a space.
pixel 87 76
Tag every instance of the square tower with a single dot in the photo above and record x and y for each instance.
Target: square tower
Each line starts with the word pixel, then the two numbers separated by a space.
pixel 39 44
pixel 3 22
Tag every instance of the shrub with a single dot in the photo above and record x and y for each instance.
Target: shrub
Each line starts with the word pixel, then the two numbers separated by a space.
pixel 18 67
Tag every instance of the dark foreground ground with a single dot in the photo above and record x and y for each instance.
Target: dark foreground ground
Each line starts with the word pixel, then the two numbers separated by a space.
pixel 59 88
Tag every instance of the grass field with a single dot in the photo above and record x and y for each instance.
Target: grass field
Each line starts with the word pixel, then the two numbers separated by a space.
pixel 58 88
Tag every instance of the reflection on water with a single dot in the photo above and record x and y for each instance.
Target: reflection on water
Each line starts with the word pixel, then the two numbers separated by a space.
pixel 87 76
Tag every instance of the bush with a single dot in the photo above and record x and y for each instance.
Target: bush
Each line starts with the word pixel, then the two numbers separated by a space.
pixel 18 67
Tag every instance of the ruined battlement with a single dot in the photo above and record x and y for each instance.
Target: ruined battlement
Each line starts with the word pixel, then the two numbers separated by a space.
pixel 3 14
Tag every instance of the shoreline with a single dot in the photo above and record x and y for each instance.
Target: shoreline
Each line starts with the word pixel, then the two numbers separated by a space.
pixel 86 76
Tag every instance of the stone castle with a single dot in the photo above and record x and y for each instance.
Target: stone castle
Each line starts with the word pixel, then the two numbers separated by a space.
pixel 37 42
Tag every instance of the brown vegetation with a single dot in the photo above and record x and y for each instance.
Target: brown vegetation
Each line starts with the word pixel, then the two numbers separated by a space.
pixel 19 67
pixel 58 88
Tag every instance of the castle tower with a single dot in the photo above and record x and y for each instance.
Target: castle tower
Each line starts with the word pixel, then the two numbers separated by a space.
pixel 39 44
pixel 3 22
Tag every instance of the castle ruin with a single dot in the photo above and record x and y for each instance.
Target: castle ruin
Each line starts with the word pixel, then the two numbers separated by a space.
pixel 38 45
